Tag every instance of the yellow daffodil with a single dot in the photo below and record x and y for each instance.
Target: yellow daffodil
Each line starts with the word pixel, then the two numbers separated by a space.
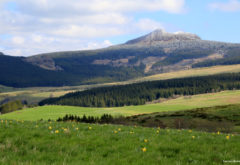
pixel 218 133
pixel 115 131
pixel 144 149
pixel 190 131
pixel 76 128
pixel 119 129
pixel 227 137
pixel 89 128
pixel 145 140
pixel 157 131
pixel 56 131
pixel 193 137
pixel 49 127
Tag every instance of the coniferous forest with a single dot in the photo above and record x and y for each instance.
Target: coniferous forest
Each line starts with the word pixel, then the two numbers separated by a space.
pixel 140 93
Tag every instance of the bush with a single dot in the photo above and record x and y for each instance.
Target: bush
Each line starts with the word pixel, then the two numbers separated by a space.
pixel 11 106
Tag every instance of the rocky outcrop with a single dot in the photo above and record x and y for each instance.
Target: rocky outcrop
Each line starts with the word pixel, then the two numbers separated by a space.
pixel 43 62
pixel 162 36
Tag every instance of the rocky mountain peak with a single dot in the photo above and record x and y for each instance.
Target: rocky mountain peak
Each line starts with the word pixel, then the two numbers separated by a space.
pixel 160 35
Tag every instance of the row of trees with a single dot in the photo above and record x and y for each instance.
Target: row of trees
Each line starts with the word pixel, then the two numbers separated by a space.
pixel 105 118
pixel 140 93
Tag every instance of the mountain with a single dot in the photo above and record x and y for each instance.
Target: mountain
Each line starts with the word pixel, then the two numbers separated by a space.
pixel 156 52
pixel 162 36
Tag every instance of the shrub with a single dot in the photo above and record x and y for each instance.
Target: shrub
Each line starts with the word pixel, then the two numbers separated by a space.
pixel 11 106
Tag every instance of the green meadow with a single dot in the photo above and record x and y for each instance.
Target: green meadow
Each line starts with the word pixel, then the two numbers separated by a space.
pixel 181 103
pixel 23 142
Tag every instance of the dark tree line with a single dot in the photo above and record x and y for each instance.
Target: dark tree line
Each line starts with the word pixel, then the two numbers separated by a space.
pixel 140 93
pixel 105 118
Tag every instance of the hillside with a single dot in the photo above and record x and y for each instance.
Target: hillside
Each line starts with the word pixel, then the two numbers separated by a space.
pixel 33 95
pixel 211 119
pixel 16 72
pixel 157 52
pixel 141 93
pixel 220 118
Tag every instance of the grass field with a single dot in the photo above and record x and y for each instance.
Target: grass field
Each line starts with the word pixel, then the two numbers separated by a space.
pixel 72 143
pixel 35 94
pixel 195 72
pixel 181 103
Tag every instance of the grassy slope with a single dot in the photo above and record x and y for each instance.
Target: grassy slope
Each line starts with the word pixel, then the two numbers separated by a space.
pixel 224 118
pixel 34 143
pixel 181 103
pixel 195 72
pixel 34 95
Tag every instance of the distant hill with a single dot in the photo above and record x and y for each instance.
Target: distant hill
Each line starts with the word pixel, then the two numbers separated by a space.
pixel 141 93
pixel 156 52
pixel 16 72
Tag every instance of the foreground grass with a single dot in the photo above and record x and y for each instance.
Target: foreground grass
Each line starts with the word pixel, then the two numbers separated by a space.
pixel 72 143
pixel 181 103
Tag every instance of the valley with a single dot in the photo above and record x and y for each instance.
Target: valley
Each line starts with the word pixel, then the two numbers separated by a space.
pixel 35 94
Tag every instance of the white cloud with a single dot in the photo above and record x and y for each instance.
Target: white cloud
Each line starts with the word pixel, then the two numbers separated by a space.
pixel 60 7
pixel 37 38
pixel 230 6
pixel 38 26
pixel 96 45
pixel 87 31
pixel 148 25
pixel 14 52
pixel 37 44
pixel 18 40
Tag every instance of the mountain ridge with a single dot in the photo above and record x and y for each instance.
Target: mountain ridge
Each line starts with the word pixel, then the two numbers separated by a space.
pixel 156 52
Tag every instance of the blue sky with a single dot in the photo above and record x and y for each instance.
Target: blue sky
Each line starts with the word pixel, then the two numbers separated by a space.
pixel 29 27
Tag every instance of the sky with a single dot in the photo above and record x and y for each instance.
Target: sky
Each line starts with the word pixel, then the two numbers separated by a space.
pixel 29 27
